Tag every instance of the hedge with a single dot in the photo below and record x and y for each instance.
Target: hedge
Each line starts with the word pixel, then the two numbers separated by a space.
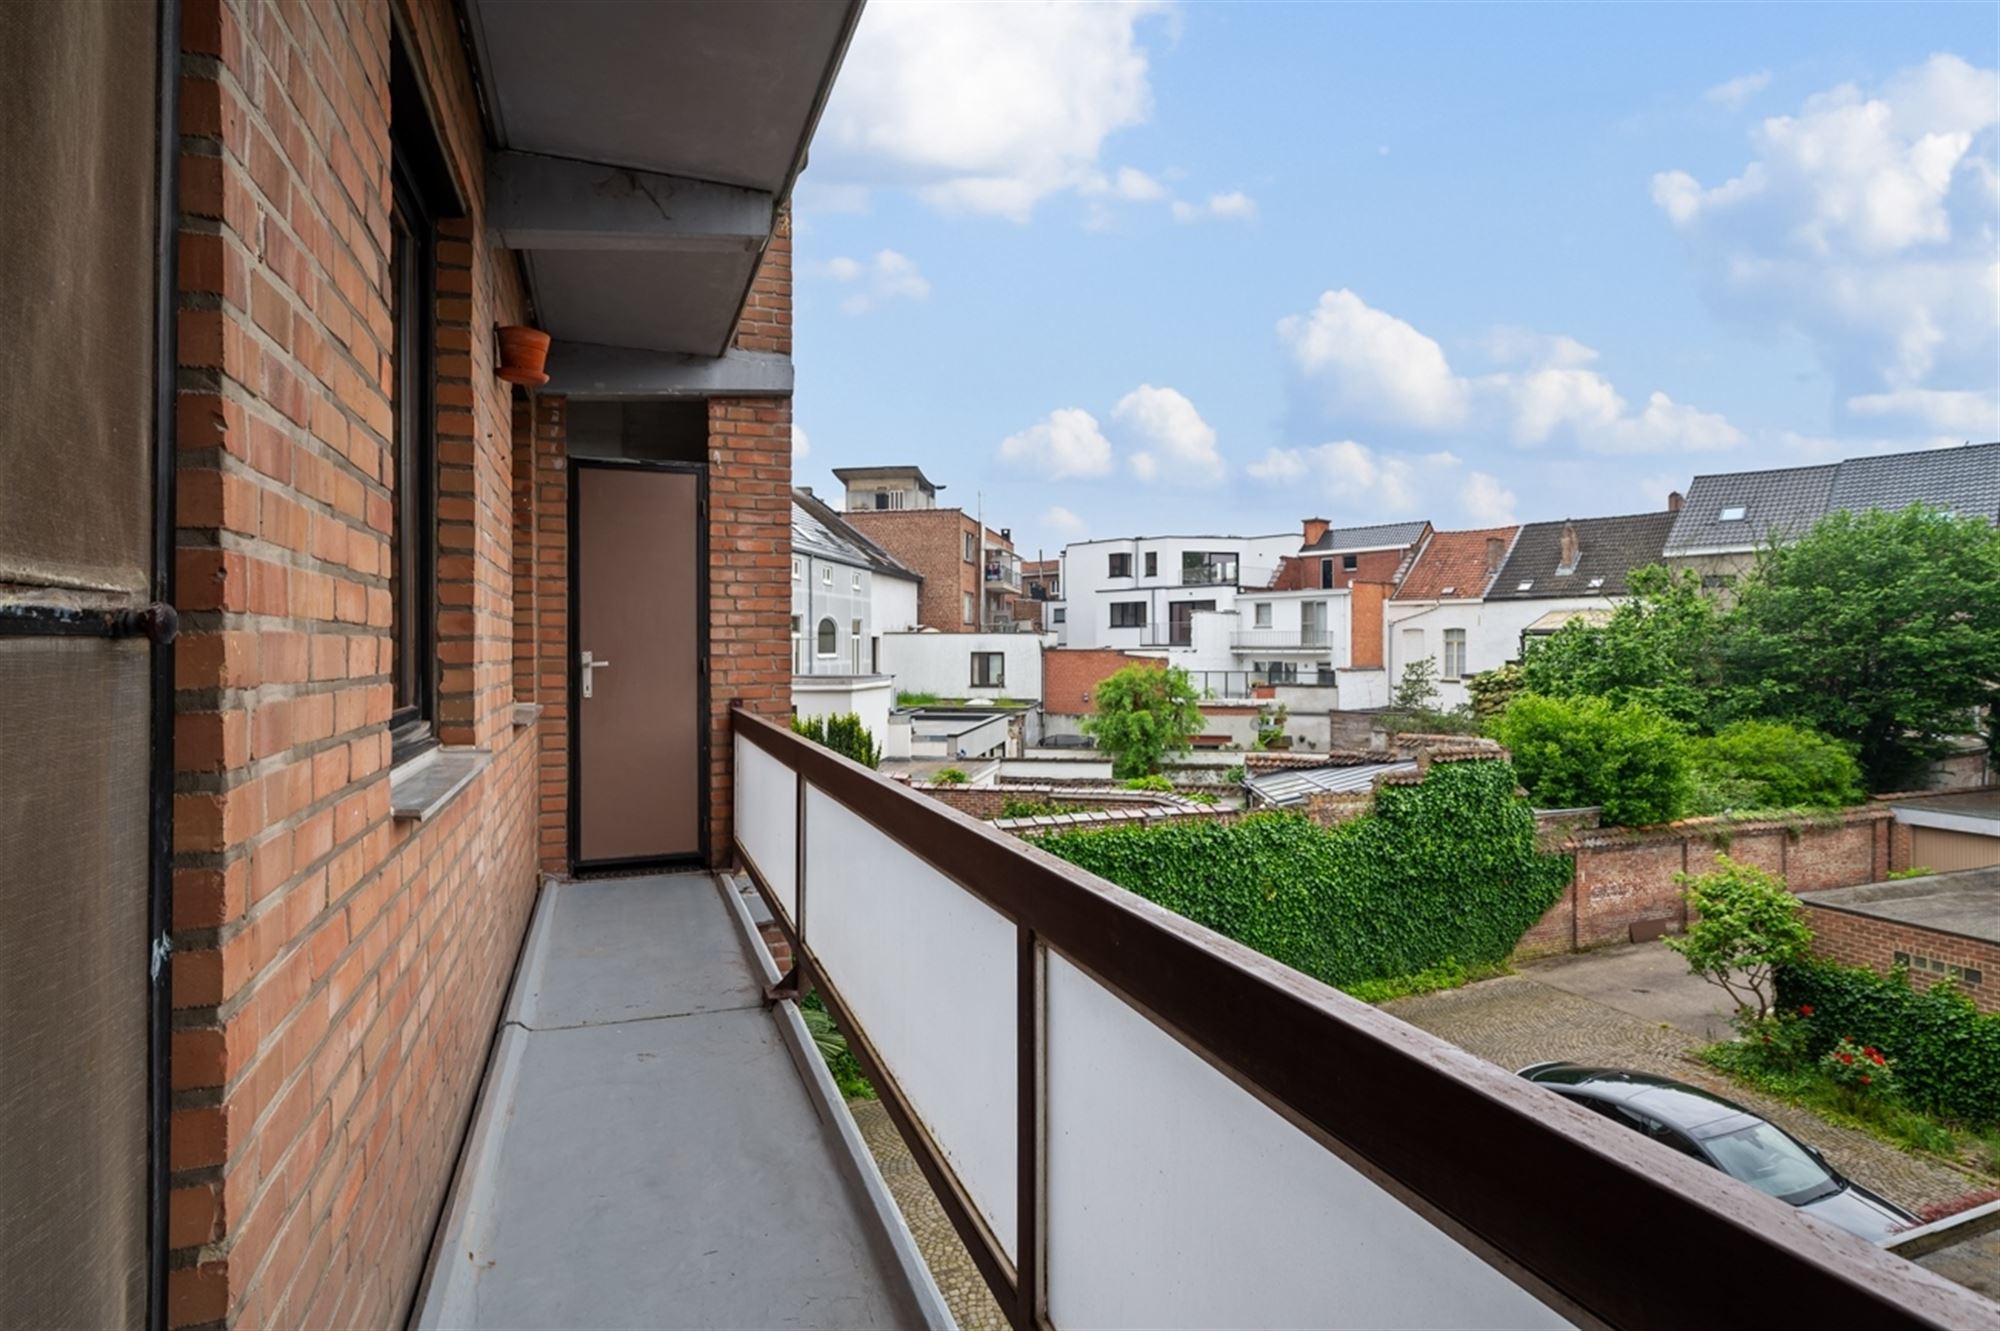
pixel 1443 871
pixel 1947 1054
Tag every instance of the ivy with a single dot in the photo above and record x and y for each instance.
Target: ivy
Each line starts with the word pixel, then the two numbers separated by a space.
pixel 1440 873
pixel 1947 1054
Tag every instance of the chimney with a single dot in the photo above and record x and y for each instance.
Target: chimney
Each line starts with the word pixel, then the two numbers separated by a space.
pixel 1007 535
pixel 1570 552
pixel 1674 501
pixel 1495 548
pixel 1315 528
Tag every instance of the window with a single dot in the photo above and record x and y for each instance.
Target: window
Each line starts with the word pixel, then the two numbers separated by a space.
pixel 420 199
pixel 1595 583
pixel 1454 654
pixel 829 638
pixel 1061 616
pixel 881 500
pixel 826 575
pixel 1524 584
pixel 1121 566
pixel 1203 568
pixel 1128 614
pixel 857 581
pixel 1733 514
pixel 989 670
pixel 795 570
pixel 1152 564
pixel 1326 573
pixel 854 645
pixel 1350 562
pixel 968 607
pixel 971 549
pixel 1263 613
pixel 1711 582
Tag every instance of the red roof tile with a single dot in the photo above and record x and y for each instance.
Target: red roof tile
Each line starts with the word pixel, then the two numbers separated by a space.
pixel 1456 564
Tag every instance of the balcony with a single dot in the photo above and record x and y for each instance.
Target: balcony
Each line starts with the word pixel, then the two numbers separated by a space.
pixel 1281 640
pixel 1128 1120
pixel 1003 572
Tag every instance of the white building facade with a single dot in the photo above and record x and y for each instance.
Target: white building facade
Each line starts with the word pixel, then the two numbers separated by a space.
pixel 846 593
pixel 1144 592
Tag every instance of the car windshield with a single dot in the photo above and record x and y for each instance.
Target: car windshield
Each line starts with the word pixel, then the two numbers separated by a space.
pixel 1771 1162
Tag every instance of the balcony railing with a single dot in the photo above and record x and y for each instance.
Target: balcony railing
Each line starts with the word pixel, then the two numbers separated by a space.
pixel 1131 1120
pixel 1003 573
pixel 1281 640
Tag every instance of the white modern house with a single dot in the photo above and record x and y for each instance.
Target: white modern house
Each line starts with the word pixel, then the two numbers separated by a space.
pixel 964 666
pixel 1145 591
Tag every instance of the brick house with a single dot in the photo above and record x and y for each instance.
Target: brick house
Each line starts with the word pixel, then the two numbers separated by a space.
pixel 269 245
pixel 971 573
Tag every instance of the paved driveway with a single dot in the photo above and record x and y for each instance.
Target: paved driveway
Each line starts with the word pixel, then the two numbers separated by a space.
pixel 1625 1007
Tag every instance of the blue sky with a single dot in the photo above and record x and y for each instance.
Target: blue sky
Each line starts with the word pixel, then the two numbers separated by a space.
pixel 1178 268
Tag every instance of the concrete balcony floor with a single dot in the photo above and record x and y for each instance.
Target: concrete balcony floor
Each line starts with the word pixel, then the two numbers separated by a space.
pixel 654 1146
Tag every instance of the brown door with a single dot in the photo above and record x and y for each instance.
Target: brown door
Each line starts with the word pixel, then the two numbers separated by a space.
pixel 639 790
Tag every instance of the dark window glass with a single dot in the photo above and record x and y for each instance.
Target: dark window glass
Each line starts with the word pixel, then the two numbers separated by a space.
pixel 1326 573
pixel 989 670
pixel 1120 566
pixel 1350 562
pixel 1152 564
pixel 1128 614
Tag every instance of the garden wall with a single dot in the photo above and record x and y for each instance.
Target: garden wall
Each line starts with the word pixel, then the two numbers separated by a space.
pixel 1624 889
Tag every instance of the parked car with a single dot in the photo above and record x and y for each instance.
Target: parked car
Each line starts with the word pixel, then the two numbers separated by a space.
pixel 1730 1138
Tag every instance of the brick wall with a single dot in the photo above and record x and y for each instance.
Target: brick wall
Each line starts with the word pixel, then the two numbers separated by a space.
pixel 1070 676
pixel 932 542
pixel 1304 572
pixel 1854 939
pixel 336 973
pixel 1364 610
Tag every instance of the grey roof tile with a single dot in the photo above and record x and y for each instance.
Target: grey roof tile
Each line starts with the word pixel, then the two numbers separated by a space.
pixel 1780 503
pixel 1964 480
pixel 1608 549
pixel 817 529
pixel 1385 535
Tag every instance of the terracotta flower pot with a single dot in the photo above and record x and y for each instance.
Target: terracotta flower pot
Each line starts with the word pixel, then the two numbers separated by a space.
pixel 522 353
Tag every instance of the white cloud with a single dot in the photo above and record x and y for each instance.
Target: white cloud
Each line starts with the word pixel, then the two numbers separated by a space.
pixel 885 277
pixel 985 108
pixel 1370 364
pixel 1234 205
pixel 1064 444
pixel 1380 483
pixel 1974 415
pixel 1865 222
pixel 1060 519
pixel 1374 364
pixel 1178 442
pixel 1735 92
pixel 1134 184
pixel 801 446
pixel 1485 501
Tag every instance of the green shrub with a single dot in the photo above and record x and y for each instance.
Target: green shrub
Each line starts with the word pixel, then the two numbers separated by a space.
pixel 1153 782
pixel 844 734
pixel 1144 714
pixel 1011 807
pixel 1445 871
pixel 832 1046
pixel 913 699
pixel 1491 690
pixel 1743 925
pixel 1573 752
pixel 949 776
pixel 1947 1053
pixel 1914 871
pixel 1235 775
pixel 1779 766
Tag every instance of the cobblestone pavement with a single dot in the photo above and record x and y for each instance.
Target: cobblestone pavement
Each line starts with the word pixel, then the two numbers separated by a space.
pixel 1516 1020
pixel 965 1292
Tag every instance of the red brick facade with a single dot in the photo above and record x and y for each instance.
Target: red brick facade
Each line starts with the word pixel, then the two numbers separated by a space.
pixel 336 972
pixel 1070 676
pixel 1854 939
pixel 932 542
pixel 1299 573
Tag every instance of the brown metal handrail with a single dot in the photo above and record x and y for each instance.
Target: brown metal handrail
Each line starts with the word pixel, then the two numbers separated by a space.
pixel 1543 1191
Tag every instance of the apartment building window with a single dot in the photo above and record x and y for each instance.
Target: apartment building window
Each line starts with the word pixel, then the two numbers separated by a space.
pixel 795 570
pixel 1152 564
pixel 1262 611
pixel 1121 566
pixel 829 638
pixel 854 645
pixel 1128 614
pixel 989 670
pixel 1060 616
pixel 1350 562
pixel 968 607
pixel 1203 568
pixel 856 577
pixel 971 549
pixel 826 575
pixel 798 645
pixel 1454 654
pixel 420 197
pixel 1325 573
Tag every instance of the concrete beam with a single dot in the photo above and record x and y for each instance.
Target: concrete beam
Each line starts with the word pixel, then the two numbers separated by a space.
pixel 588 370
pixel 558 203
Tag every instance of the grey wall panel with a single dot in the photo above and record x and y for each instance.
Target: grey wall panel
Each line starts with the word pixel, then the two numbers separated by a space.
pixel 74 715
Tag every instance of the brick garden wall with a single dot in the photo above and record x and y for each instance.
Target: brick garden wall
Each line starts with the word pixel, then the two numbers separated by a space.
pixel 1855 939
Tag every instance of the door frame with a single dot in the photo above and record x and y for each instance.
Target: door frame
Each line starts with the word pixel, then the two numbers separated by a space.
pixel 579 867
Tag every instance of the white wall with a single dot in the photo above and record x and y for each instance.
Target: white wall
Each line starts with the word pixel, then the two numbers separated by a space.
pixel 824 588
pixel 892 604
pixel 1089 590
pixel 941 663
pixel 868 697
pixel 1492 635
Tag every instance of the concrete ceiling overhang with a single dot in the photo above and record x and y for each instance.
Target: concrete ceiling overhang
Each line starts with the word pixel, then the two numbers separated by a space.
pixel 644 150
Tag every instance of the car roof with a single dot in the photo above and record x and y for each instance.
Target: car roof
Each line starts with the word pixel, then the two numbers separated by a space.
pixel 1676 1104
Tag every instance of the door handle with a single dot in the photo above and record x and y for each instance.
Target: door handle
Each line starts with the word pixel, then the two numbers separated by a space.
pixel 588 669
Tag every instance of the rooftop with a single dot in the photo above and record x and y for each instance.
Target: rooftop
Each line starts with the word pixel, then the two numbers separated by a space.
pixel 1966 903
pixel 1608 549
pixel 902 472
pixel 820 530
pixel 1382 536
pixel 1455 564
pixel 1294 785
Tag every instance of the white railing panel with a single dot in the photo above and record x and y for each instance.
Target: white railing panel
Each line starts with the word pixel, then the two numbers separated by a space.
pixel 1177 1199
pixel 927 971
pixel 767 821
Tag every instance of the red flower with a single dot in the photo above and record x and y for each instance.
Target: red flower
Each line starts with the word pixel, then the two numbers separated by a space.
pixel 1879 1060
pixel 1846 1058
pixel 1864 1079
pixel 1805 1010
pixel 1870 1051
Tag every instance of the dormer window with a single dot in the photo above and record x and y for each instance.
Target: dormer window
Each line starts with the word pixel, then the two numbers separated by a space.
pixel 1735 513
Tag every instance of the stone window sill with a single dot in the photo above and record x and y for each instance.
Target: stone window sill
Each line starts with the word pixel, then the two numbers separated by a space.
pixel 526 714
pixel 424 785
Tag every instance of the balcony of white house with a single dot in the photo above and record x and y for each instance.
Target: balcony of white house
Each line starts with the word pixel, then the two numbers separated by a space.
pixel 1129 1120
pixel 1310 641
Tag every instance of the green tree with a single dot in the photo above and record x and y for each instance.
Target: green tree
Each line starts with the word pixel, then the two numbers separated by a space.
pixel 1779 766
pixel 1492 690
pixel 1144 713
pixel 1574 752
pixel 1742 926
pixel 1662 648
pixel 1880 629
pixel 1417 690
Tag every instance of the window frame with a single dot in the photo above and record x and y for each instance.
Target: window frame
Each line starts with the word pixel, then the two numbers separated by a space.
pixel 1128 621
pixel 1152 563
pixel 997 678
pixel 1260 614
pixel 820 634
pixel 1326 573
pixel 1119 565
pixel 1453 637
pixel 1350 563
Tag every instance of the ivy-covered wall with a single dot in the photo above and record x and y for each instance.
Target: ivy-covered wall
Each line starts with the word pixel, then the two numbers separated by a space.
pixel 1441 870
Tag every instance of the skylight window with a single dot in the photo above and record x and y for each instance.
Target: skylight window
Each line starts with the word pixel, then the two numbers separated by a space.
pixel 1597 582
pixel 1525 583
pixel 1448 591
pixel 1735 513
